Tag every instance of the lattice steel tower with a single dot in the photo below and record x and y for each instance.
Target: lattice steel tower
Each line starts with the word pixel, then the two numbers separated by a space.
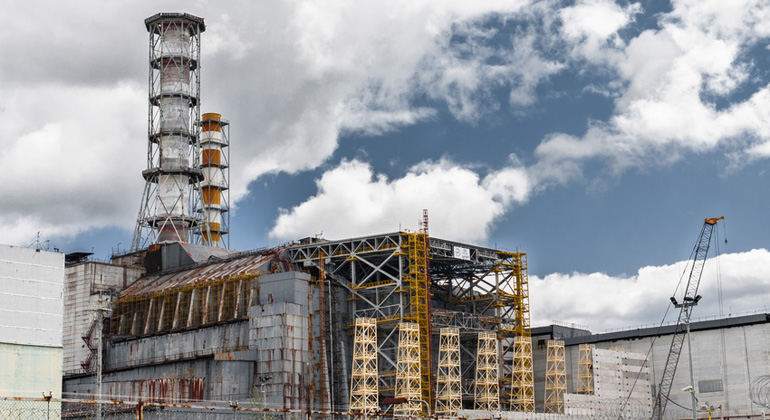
pixel 585 383
pixel 487 387
pixel 173 176
pixel 408 369
pixel 364 390
pixel 555 377
pixel 449 391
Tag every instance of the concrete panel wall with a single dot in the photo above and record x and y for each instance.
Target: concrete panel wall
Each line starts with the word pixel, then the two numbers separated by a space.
pixel 204 341
pixel 191 380
pixel 31 296
pixel 291 286
pixel 28 371
pixel 280 333
pixel 81 297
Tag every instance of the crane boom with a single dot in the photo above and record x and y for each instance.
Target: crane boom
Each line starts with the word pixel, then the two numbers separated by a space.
pixel 689 300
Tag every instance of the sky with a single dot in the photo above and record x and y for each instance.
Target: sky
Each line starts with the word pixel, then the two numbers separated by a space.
pixel 595 135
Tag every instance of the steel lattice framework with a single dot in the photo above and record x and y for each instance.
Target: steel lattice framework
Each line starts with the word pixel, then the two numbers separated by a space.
pixel 523 382
pixel 408 373
pixel 215 186
pixel 363 384
pixel 386 277
pixel 448 387
pixel 173 176
pixel 487 386
pixel 555 377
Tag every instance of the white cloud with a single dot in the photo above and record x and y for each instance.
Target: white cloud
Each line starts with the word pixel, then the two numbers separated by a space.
pixel 351 199
pixel 592 26
pixel 69 159
pixel 293 76
pixel 673 77
pixel 290 76
pixel 466 74
pixel 602 302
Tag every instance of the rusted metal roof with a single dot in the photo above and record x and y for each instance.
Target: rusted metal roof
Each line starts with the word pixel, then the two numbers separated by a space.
pixel 243 263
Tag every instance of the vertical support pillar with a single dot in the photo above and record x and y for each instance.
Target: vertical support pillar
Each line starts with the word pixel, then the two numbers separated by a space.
pixel 522 381
pixel 555 377
pixel 487 386
pixel 448 386
pixel 363 382
pixel 408 369
pixel 585 383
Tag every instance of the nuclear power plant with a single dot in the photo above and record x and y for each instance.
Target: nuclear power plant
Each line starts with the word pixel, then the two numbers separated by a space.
pixel 388 324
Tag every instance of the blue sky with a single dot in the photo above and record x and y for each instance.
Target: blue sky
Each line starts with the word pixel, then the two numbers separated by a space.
pixel 595 135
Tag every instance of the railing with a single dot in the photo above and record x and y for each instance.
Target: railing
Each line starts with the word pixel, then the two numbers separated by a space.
pixel 693 320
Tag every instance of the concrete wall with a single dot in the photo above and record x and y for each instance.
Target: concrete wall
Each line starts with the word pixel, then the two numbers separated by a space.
pixel 279 329
pixel 171 347
pixel 81 299
pixel 191 380
pixel 28 371
pixel 30 321
pixel 31 296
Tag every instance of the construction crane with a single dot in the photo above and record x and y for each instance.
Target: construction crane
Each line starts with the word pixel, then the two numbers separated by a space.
pixel 689 300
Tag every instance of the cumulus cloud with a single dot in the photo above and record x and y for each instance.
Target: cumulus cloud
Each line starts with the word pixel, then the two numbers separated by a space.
pixel 601 302
pixel 673 79
pixel 65 173
pixel 291 76
pixel 672 86
pixel 591 27
pixel 352 199
pixel 295 76
pixel 323 71
pixel 468 67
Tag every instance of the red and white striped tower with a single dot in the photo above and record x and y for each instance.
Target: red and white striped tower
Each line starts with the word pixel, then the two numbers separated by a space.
pixel 173 176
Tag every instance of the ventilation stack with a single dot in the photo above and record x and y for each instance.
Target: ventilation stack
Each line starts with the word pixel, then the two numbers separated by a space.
pixel 173 175
pixel 215 157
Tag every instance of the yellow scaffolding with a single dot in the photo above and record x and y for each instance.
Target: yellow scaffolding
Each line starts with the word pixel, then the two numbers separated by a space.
pixel 555 377
pixel 363 385
pixel 522 381
pixel 487 388
pixel 408 369
pixel 448 385
pixel 417 282
pixel 585 383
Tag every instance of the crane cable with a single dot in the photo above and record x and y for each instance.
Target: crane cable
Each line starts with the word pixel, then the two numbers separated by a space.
pixel 719 271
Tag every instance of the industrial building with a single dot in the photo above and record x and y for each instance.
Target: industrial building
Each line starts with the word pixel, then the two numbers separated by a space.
pixel 30 321
pixel 728 355
pixel 400 322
